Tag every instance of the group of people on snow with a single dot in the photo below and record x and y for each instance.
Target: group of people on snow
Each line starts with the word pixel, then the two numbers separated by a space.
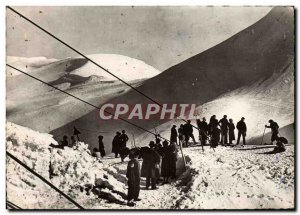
pixel 159 159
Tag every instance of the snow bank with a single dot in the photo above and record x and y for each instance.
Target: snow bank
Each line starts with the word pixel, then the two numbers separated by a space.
pixel 73 170
pixel 238 179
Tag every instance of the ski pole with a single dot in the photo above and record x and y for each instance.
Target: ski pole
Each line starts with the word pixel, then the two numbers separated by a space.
pixel 262 139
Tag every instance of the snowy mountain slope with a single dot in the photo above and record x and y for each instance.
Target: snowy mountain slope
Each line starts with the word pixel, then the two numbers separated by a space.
pixel 272 98
pixel 31 103
pixel 263 51
pixel 26 64
pixel 225 179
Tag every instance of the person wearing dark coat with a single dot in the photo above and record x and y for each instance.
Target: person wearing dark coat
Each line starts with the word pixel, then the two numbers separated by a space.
pixel 213 122
pixel 174 134
pixel 274 128
pixel 242 130
pixel 172 150
pixel 133 175
pixel 116 144
pixel 224 130
pixel 180 134
pixel 215 136
pixel 231 128
pixel 101 146
pixel 165 164
pixel 152 160
pixel 123 139
pixel 188 132
pixel 203 131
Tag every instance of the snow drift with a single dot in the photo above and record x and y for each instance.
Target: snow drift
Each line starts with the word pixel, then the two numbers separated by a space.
pixel 74 170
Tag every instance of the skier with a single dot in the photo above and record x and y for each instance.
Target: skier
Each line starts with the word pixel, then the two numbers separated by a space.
pixel 242 130
pixel 116 144
pixel 174 134
pixel 274 128
pixel 231 128
pixel 133 175
pixel 101 146
pixel 188 132
pixel 224 130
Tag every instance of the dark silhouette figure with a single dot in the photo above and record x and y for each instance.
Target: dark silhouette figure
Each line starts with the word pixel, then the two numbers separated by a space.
pixel 242 130
pixel 215 136
pixel 101 146
pixel 180 134
pixel 151 160
pixel 76 133
pixel 231 128
pixel 134 177
pixel 224 130
pixel 213 122
pixel 172 153
pixel 203 131
pixel 116 144
pixel 274 128
pixel 174 134
pixel 123 138
pixel 165 164
pixel 188 132
pixel 73 142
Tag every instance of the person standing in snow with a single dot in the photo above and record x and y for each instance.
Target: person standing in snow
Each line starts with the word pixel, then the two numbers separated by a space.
pixel 274 128
pixel 124 138
pixel 116 144
pixel 215 136
pixel 213 122
pixel 165 164
pixel 180 134
pixel 153 160
pixel 224 130
pixel 231 128
pixel 134 177
pixel 172 153
pixel 174 134
pixel 188 131
pixel 101 146
pixel 203 131
pixel 242 130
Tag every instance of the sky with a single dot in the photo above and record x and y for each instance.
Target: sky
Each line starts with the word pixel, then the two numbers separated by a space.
pixel 160 36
